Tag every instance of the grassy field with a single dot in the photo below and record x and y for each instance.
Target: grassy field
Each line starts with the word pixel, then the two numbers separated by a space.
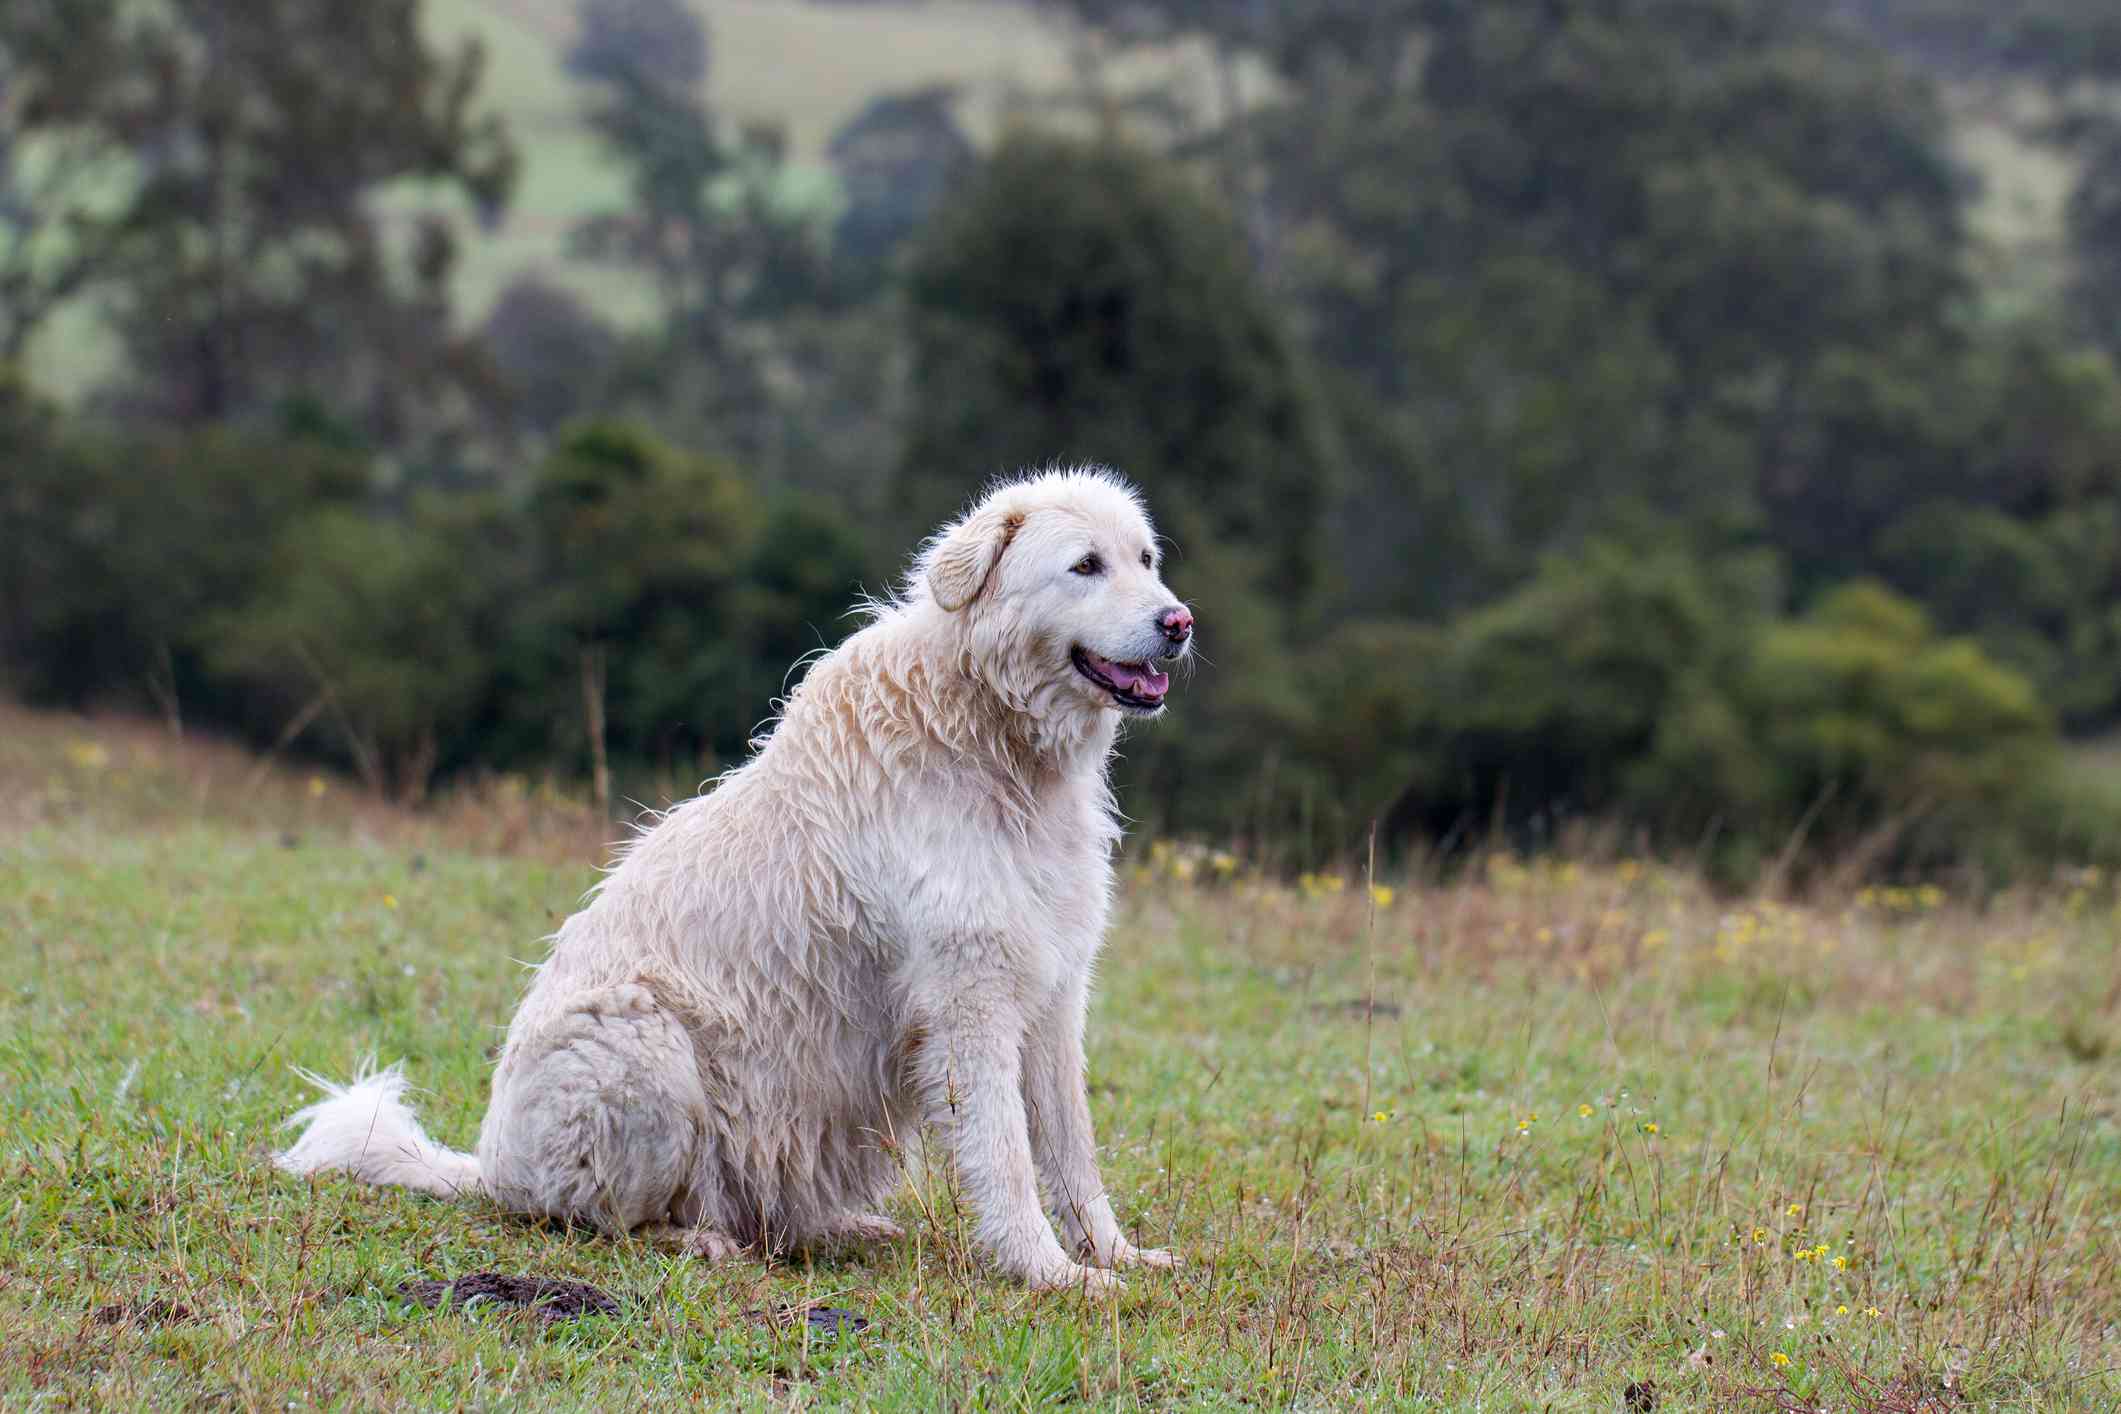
pixel 1602 1130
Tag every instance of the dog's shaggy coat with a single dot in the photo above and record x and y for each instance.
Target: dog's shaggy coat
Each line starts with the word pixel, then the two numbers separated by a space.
pixel 887 917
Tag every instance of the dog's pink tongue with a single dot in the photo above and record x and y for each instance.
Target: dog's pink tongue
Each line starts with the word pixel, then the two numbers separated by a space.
pixel 1136 678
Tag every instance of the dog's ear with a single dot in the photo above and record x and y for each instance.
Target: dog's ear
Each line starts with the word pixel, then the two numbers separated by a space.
pixel 962 560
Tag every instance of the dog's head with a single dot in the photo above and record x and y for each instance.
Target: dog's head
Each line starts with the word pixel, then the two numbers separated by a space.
pixel 1056 583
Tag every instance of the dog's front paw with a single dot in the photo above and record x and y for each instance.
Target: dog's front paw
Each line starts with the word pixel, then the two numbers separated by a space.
pixel 1092 1281
pixel 1129 1255
pixel 1118 1252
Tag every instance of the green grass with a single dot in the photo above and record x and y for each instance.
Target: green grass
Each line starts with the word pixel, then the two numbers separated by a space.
pixel 1926 1089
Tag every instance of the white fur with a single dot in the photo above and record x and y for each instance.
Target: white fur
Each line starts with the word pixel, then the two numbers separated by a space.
pixel 889 916
pixel 366 1129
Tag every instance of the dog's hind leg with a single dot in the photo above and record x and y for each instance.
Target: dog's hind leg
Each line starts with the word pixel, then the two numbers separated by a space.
pixel 866 1227
pixel 705 1243
pixel 599 1116
pixel 857 1230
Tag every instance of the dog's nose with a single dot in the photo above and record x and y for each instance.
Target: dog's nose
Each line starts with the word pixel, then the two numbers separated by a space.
pixel 1176 622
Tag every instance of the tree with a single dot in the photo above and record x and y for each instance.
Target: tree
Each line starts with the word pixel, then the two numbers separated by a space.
pixel 1583 693
pixel 553 353
pixel 663 603
pixel 2094 224
pixel 1874 721
pixel 661 42
pixel 1081 304
pixel 1565 262
pixel 2019 549
pixel 247 268
pixel 118 550
pixel 898 159
pixel 728 246
pixel 63 166
pixel 376 623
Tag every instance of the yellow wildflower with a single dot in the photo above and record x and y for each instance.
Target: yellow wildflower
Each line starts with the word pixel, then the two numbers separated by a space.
pixel 1649 1126
pixel 1841 1264
pixel 1841 1310
pixel 1584 1111
pixel 390 900
pixel 1872 1311
pixel 1779 1358
pixel 1381 895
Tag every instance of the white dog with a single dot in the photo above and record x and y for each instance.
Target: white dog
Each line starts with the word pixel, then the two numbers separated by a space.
pixel 889 915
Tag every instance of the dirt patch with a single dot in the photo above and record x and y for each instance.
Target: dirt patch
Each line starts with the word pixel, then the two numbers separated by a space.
pixel 548 1298
pixel 145 1313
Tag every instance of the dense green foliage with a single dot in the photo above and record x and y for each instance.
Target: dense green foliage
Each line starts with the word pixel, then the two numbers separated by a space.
pixel 1085 305
pixel 256 585
pixel 1565 412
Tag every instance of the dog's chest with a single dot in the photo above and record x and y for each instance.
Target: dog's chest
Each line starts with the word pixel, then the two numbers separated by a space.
pixel 957 867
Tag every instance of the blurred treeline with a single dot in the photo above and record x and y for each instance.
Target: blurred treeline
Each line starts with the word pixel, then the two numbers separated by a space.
pixel 1565 410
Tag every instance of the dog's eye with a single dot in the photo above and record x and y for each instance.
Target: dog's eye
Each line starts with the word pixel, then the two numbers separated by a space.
pixel 1148 560
pixel 1088 564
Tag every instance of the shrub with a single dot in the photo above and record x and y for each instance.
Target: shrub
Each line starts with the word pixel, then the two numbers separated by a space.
pixel 381 628
pixel 1871 717
pixel 117 553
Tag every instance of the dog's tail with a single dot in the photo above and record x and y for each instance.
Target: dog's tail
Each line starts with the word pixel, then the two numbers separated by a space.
pixel 366 1129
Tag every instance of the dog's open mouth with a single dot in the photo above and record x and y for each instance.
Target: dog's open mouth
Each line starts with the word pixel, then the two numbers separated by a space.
pixel 1135 685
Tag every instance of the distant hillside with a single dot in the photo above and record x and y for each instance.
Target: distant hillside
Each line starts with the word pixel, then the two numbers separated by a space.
pixel 804 67
pixel 807 66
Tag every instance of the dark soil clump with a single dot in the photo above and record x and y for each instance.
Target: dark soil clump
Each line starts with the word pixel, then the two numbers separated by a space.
pixel 551 1299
